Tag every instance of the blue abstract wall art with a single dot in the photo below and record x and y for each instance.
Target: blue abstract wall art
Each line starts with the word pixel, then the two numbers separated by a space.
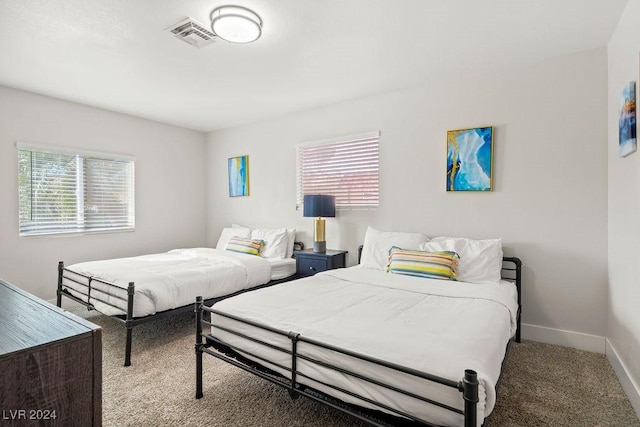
pixel 627 120
pixel 239 176
pixel 470 159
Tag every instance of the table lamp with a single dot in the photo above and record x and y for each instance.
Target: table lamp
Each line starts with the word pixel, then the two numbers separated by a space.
pixel 318 206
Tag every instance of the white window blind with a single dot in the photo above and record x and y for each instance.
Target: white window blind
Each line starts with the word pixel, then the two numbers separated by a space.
pixel 347 168
pixel 65 192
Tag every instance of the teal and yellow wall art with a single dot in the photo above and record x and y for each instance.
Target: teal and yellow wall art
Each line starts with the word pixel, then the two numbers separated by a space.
pixel 239 176
pixel 470 159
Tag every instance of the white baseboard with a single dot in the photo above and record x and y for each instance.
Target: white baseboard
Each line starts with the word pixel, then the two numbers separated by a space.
pixel 628 384
pixel 577 340
pixel 587 342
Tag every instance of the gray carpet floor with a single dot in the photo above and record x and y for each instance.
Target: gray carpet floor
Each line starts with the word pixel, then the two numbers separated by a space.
pixel 541 385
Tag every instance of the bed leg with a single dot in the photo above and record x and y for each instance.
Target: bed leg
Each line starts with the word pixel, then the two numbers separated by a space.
pixel 127 349
pixel 294 362
pixel 59 291
pixel 470 395
pixel 198 311
pixel 518 264
pixel 129 324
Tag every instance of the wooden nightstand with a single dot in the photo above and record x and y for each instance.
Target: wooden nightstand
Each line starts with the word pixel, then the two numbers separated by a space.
pixel 309 263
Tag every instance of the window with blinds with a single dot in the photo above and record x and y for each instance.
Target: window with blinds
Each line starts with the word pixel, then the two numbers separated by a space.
pixel 347 168
pixel 66 192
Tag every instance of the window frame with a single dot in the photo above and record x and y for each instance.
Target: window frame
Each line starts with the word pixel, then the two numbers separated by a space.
pixel 81 183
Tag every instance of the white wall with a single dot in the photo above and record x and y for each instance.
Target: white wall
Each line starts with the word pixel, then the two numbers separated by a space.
pixel 170 210
pixel 550 198
pixel 623 330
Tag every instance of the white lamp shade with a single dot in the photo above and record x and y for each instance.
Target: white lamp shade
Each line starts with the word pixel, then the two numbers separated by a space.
pixel 236 24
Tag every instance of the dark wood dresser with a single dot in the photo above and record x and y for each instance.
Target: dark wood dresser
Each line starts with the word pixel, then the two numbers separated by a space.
pixel 50 364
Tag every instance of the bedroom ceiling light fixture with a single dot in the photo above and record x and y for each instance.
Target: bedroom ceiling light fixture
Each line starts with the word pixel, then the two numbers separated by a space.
pixel 236 24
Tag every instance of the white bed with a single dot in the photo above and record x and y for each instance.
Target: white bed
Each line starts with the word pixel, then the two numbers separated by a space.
pixel 434 326
pixel 137 289
pixel 171 279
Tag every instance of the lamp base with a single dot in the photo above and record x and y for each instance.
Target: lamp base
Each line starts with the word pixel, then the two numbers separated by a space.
pixel 320 247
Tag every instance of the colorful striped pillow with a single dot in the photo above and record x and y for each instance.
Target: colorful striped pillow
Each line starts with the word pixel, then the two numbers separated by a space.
pixel 434 265
pixel 244 245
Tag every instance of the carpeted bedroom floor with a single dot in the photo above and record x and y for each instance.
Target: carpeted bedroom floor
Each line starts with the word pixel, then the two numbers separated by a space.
pixel 542 385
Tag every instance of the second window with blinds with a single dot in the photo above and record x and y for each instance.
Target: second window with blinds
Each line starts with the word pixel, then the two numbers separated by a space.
pixel 345 167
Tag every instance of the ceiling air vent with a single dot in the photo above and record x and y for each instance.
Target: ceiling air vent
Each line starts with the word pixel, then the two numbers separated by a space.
pixel 192 32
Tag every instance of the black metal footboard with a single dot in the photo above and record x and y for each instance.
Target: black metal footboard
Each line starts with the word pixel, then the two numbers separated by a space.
pixel 88 294
pixel 85 289
pixel 468 385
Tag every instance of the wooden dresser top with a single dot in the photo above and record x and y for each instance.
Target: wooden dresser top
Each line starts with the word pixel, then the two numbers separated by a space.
pixel 27 321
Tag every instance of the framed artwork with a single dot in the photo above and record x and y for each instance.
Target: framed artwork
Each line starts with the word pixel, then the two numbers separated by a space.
pixel 627 120
pixel 470 159
pixel 239 176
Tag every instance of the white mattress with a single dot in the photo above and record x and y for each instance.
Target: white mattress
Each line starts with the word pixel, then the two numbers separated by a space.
pixel 282 268
pixel 434 326
pixel 168 280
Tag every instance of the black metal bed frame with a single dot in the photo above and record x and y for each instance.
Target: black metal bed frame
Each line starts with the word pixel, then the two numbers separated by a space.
pixel 467 385
pixel 127 317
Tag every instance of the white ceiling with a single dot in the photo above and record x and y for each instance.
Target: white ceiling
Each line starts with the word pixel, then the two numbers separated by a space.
pixel 115 54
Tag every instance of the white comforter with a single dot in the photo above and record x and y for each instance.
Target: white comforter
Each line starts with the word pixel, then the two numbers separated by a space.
pixel 168 280
pixel 434 326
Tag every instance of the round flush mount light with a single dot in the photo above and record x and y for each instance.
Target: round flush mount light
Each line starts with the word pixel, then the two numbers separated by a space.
pixel 236 24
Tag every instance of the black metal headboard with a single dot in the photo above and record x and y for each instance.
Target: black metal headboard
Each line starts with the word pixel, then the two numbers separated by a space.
pixel 511 271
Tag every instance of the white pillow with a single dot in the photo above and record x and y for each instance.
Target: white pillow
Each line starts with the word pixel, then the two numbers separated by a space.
pixel 228 233
pixel 480 260
pixel 291 233
pixel 376 246
pixel 276 241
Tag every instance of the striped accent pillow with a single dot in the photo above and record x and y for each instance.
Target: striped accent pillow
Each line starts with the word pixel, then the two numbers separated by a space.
pixel 244 245
pixel 434 265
